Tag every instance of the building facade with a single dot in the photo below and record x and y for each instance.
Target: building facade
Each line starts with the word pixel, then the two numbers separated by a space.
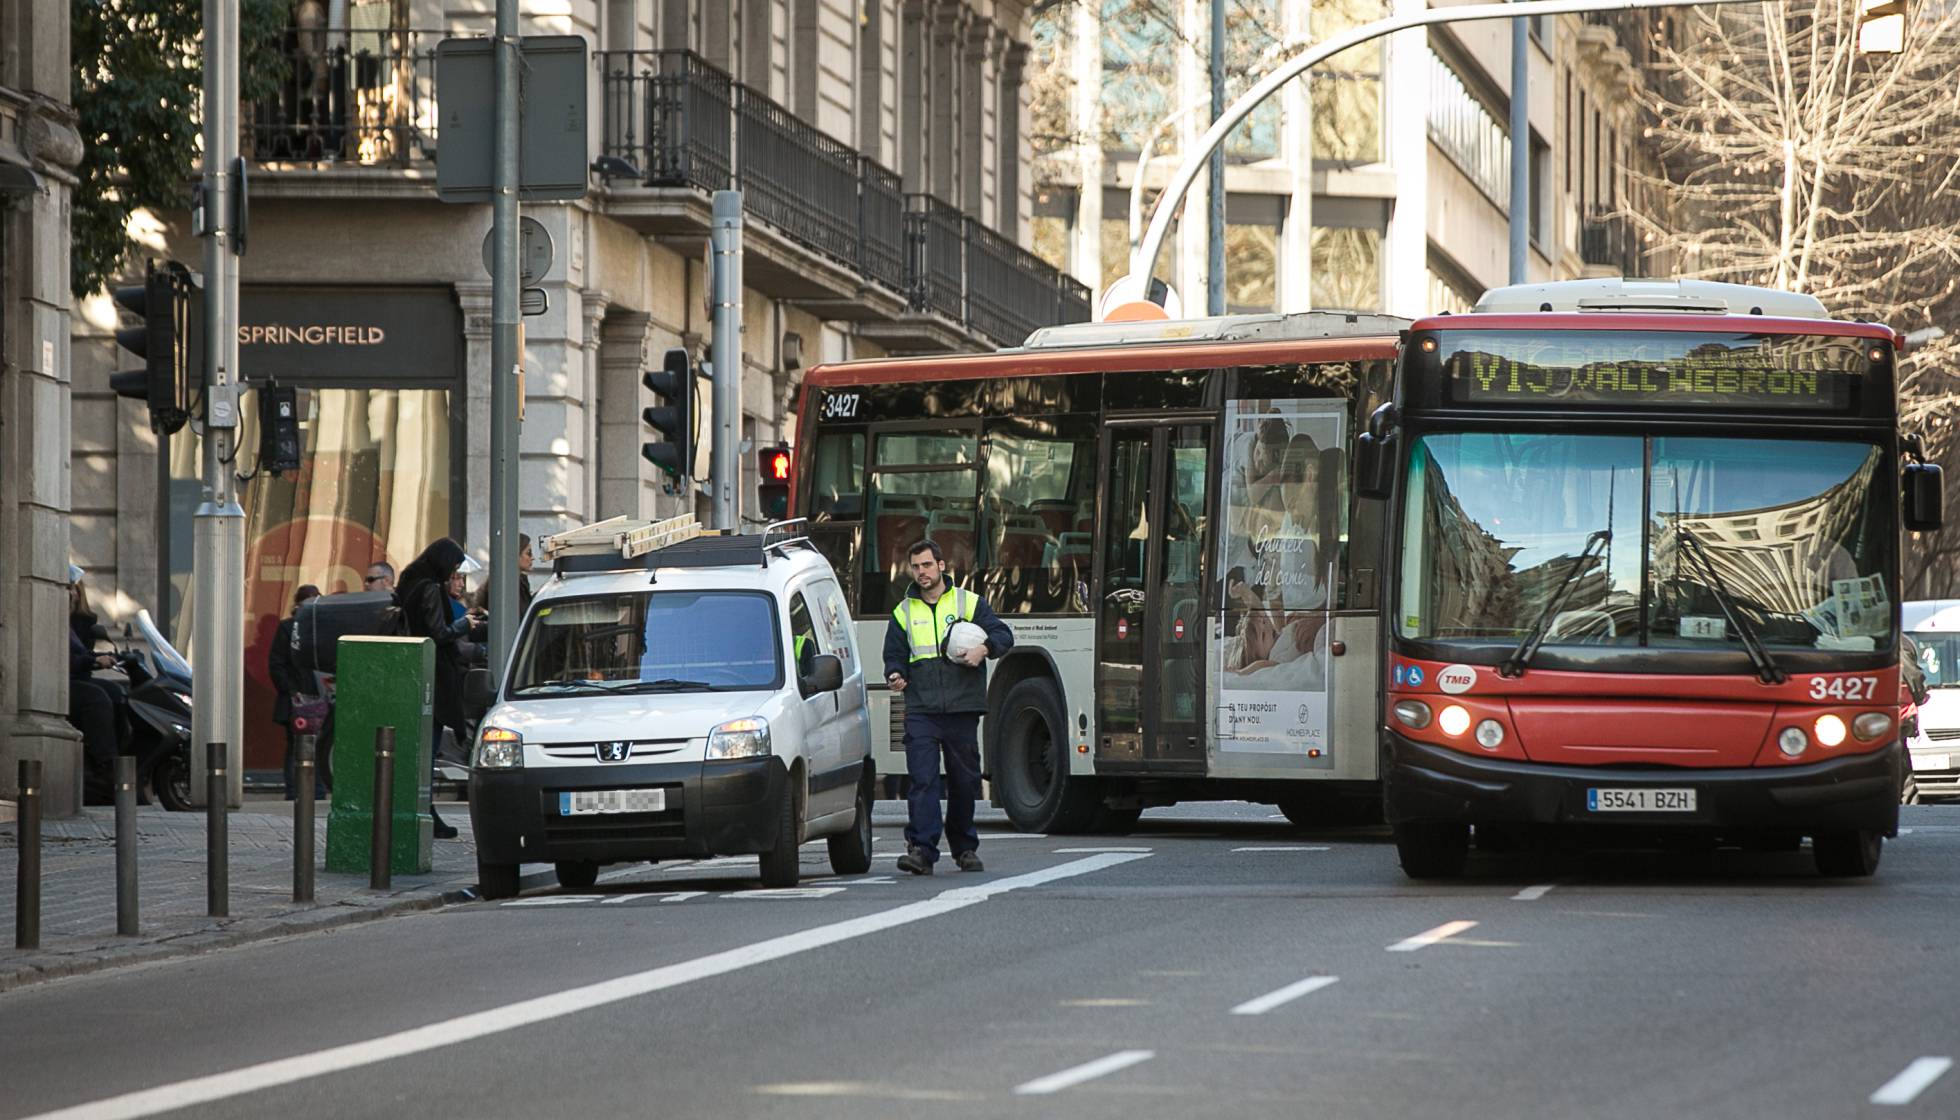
pixel 39 149
pixel 1382 182
pixel 880 146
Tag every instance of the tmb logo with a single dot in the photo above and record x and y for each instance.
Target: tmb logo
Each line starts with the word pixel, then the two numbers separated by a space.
pixel 1455 679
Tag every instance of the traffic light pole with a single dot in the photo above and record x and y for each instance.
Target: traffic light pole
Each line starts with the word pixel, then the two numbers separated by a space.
pixel 726 241
pixel 506 352
pixel 218 532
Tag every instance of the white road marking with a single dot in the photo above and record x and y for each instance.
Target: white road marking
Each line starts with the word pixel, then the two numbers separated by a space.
pixel 682 896
pixel 617 899
pixel 1533 894
pixel 790 892
pixel 1420 940
pixel 1912 1081
pixel 869 880
pixel 464 1028
pixel 1319 848
pixel 1064 851
pixel 553 900
pixel 1089 1071
pixel 1287 994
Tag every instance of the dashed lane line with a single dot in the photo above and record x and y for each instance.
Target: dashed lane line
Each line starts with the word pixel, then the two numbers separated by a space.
pixel 1284 995
pixel 1088 1071
pixel 1912 1081
pixel 1315 848
pixel 1064 851
pixel 401 1044
pixel 1424 940
pixel 1533 894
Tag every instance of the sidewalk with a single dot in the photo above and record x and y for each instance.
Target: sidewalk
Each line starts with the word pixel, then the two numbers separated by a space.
pixel 78 887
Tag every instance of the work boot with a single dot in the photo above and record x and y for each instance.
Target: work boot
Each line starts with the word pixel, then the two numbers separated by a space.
pixel 969 861
pixel 915 861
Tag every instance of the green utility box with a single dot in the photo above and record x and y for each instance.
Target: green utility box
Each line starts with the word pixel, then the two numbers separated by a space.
pixel 382 682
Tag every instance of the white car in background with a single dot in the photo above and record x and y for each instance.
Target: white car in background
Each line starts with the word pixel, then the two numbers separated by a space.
pixel 1935 748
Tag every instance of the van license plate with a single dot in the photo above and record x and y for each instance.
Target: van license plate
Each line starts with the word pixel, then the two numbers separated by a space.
pixel 1640 800
pixel 1930 761
pixel 578 803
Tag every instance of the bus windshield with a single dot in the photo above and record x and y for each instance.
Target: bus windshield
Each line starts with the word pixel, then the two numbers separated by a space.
pixel 1668 541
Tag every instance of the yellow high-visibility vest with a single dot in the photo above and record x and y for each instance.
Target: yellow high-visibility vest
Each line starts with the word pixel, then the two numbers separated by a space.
pixel 926 625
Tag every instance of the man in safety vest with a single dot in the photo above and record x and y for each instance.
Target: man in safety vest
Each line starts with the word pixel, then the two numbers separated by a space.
pixel 944 699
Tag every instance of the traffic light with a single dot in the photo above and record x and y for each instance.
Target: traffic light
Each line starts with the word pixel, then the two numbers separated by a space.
pixel 673 422
pixel 1881 26
pixel 772 474
pixel 278 428
pixel 167 339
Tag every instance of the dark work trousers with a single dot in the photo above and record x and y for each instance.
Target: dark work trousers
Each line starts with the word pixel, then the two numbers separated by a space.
pixel 927 737
pixel 92 709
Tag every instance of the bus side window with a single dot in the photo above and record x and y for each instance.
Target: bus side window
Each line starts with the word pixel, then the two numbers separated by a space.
pixel 923 486
pixel 1037 487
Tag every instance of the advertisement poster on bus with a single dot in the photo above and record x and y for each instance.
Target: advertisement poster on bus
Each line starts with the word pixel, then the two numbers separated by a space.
pixel 1283 511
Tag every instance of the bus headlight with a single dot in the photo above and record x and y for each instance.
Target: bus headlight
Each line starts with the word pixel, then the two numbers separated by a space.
pixel 1871 725
pixel 740 738
pixel 1413 714
pixel 1792 742
pixel 1829 730
pixel 1490 734
pixel 499 748
pixel 1454 720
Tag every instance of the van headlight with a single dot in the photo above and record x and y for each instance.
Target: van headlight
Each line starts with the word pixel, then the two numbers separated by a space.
pixel 499 748
pixel 740 738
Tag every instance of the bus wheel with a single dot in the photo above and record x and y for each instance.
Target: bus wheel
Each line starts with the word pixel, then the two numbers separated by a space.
pixel 1032 768
pixel 1432 849
pixel 1848 854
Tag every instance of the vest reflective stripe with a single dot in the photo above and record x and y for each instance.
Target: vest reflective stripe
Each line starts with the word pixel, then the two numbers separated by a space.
pixel 926 628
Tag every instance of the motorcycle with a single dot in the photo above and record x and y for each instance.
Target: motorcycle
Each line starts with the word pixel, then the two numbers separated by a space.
pixel 159 715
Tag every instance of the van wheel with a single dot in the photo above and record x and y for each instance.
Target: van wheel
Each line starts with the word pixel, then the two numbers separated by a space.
pixel 577 875
pixel 1849 854
pixel 496 880
pixel 850 852
pixel 1432 849
pixel 1036 788
pixel 779 864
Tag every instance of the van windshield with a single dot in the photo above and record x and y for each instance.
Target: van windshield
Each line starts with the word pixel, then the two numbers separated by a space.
pixel 650 641
pixel 1939 657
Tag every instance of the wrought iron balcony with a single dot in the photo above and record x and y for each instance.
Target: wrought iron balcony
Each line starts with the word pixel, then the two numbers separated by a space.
pixel 690 125
pixel 1606 240
pixel 348 95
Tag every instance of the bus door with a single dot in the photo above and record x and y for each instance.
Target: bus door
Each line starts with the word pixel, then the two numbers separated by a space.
pixel 1156 560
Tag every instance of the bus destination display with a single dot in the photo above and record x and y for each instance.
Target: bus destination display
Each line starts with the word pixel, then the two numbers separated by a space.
pixel 1651 369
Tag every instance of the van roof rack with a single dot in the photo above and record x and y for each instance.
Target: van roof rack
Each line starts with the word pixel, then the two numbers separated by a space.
pixel 624 544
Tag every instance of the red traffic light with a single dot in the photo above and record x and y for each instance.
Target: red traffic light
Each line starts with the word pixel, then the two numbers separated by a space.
pixel 774 465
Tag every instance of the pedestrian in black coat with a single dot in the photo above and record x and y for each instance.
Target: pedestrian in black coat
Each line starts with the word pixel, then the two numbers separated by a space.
pixel 287 680
pixel 424 597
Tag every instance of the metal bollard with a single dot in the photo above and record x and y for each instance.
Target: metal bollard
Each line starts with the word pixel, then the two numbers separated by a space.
pixel 381 863
pixel 303 820
pixel 126 845
pixel 27 891
pixel 216 870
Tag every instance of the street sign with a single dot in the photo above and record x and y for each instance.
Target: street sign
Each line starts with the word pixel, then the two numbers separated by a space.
pixel 534 251
pixel 533 301
pixel 552 152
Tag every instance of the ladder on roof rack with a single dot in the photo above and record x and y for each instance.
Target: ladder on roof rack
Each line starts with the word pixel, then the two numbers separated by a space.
pixel 626 537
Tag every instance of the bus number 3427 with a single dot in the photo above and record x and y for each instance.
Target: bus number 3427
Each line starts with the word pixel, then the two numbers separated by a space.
pixel 1843 688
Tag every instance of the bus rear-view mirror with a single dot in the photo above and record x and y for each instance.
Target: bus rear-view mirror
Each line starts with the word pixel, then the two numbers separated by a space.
pixel 1924 497
pixel 1373 459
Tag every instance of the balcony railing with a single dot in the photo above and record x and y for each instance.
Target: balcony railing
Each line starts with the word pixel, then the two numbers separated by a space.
pixel 690 125
pixel 1605 240
pixel 348 95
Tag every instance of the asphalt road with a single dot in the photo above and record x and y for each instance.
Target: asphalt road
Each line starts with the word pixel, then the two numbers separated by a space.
pixel 1215 963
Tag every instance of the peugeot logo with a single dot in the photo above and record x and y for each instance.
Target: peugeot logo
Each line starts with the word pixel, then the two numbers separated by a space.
pixel 613 752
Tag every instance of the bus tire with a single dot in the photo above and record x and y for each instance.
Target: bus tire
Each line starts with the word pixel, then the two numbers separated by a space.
pixel 1036 789
pixel 1847 854
pixel 1432 849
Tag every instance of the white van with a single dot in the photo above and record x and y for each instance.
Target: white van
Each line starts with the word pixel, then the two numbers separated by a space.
pixel 674 694
pixel 1934 624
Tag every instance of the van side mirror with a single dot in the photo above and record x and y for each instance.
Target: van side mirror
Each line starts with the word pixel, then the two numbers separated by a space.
pixel 826 675
pixel 479 692
pixel 1923 492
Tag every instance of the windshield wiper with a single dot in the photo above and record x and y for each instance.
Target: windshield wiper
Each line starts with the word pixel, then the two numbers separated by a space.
pixel 668 684
pixel 1514 665
pixel 1767 669
pixel 570 683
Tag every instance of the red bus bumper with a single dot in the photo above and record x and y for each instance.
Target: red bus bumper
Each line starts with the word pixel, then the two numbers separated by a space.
pixel 1861 791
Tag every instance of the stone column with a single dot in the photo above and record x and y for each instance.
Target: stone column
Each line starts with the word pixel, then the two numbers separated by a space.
pixel 35 424
pixel 1405 133
pixel 1015 205
pixel 1297 144
pixel 622 355
pixel 474 298
pixel 914 97
pixel 595 305
pixel 979 61
pixel 942 78
pixel 1086 113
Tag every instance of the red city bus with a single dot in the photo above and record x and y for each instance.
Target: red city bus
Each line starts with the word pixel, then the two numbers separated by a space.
pixel 1160 511
pixel 1644 546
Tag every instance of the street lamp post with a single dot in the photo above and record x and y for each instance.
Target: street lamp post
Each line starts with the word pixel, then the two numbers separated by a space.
pixel 1145 260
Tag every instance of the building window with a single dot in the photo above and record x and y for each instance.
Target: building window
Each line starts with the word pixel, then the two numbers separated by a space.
pixel 1468 132
pixel 1347 89
pixel 1347 268
pixel 1139 53
pixel 1541 202
pixel 1054 223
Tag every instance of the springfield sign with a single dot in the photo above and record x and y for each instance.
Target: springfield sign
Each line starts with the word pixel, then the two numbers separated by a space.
pixel 1651 369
